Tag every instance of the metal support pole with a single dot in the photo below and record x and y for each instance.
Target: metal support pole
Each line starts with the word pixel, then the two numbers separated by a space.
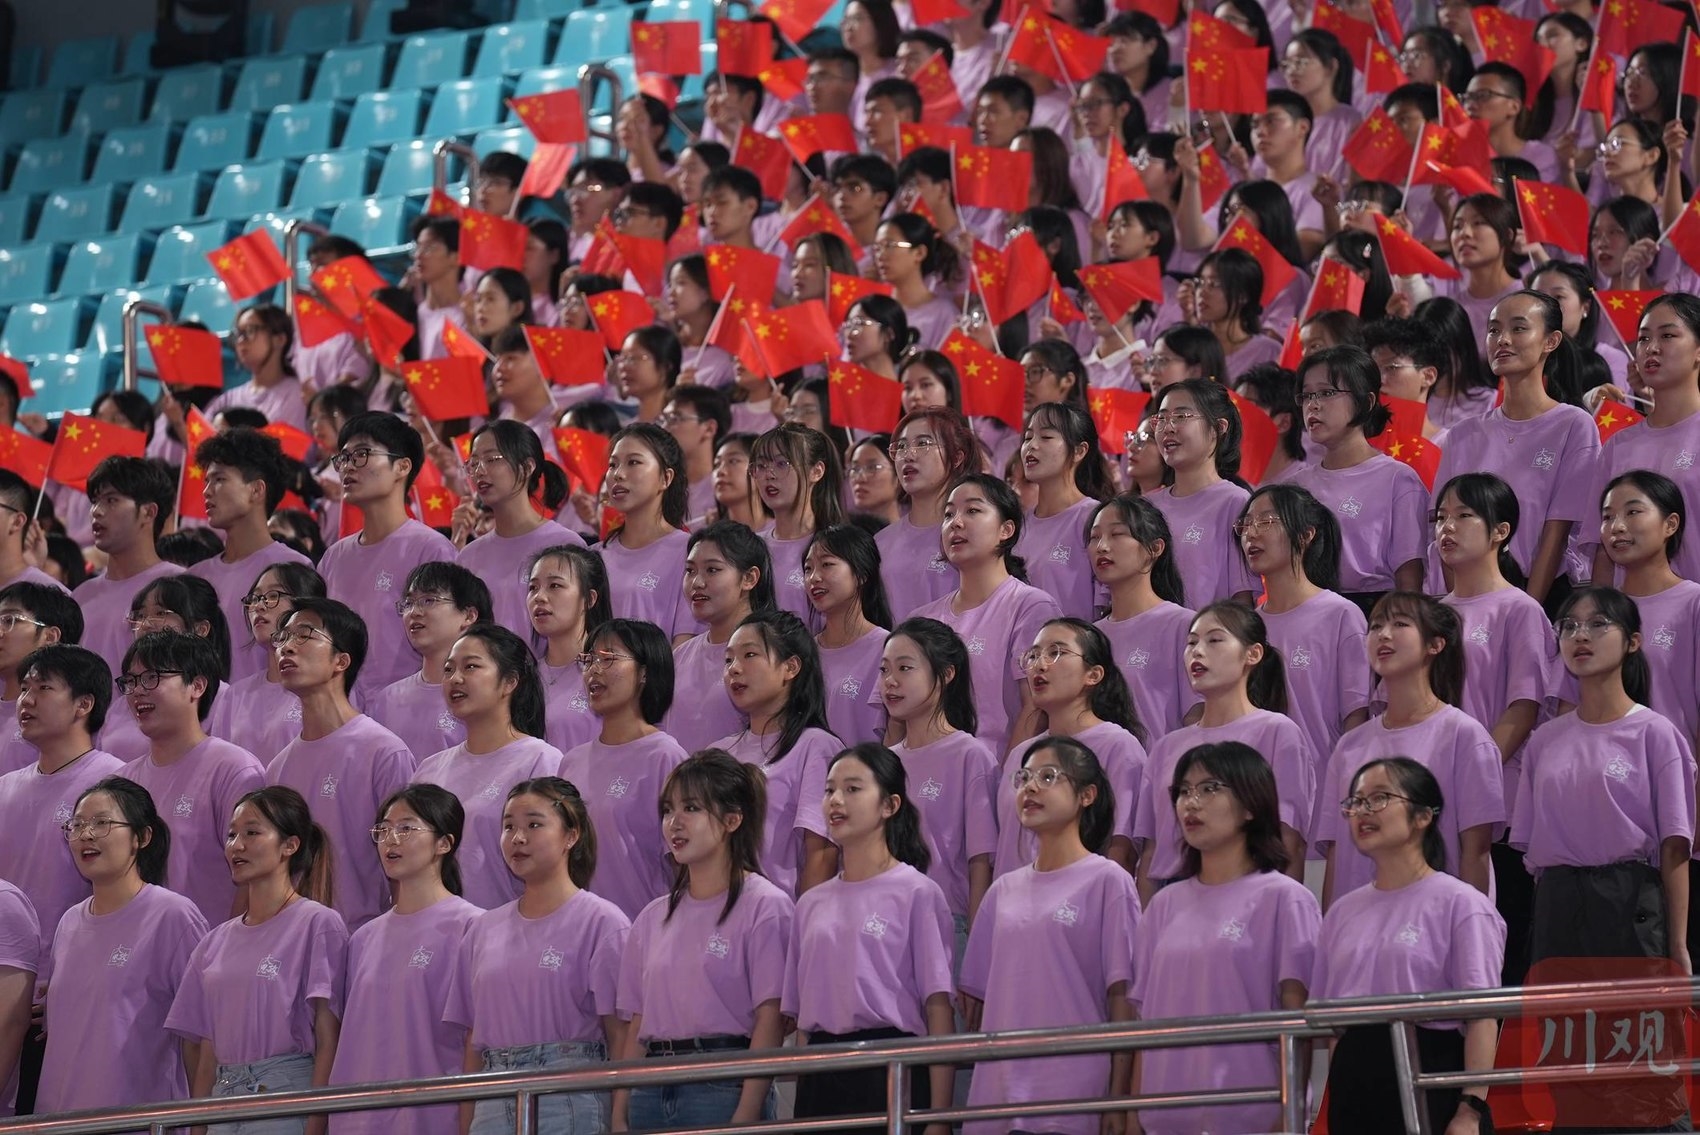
pixel 1292 1083
pixel 440 165
pixel 292 256
pixel 133 312
pixel 896 1096
pixel 1406 1065
pixel 525 1113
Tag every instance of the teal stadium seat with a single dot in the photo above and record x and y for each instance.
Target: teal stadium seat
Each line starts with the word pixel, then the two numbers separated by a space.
pixel 545 9
pixel 345 72
pixel 188 92
pixel 138 53
pixel 381 118
pixel 242 191
pixel 109 106
pixel 162 201
pixel 593 35
pixel 53 327
pixel 16 213
pixel 702 11
pixel 376 25
pixel 180 253
pixel 272 81
pixel 65 383
pixel 207 302
pixel 319 27
pixel 430 60
pixel 27 273
pixel 546 80
pixel 299 128
pixel 31 114
pixel 79 62
pixel 214 141
pixel 76 213
pixel 375 223
pixel 510 48
pixel 512 139
pixel 97 266
pixel 464 107
pixel 26 65
pixel 106 334
pixel 408 169
pixel 47 163
pixel 262 29
pixel 325 181
pixel 133 152
pixel 691 89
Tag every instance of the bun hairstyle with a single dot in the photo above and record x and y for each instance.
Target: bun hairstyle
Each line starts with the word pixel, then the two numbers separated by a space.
pixel 1008 506
pixel 1623 611
pixel 1150 527
pixel 442 812
pixel 1422 795
pixel 1080 764
pixel 513 659
pixel 724 786
pixel 1313 534
pixel 1248 776
pixel 948 658
pixel 1495 503
pixel 151 832
pixel 1435 620
pixel 1111 699
pixel 310 867
pixel 565 798
pixel 520 447
pixel 1266 685
pixel 903 827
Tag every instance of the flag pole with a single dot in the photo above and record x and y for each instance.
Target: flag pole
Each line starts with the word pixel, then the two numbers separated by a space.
pixel 1062 68
pixel 1588 72
pixel 719 314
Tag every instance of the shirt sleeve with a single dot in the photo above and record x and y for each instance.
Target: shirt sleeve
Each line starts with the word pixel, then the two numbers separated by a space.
pixel 327 960
pixel 457 1006
pixel 769 941
pixel 188 1015
pixel 1327 825
pixel 1299 925
pixel 628 998
pixel 20 932
pixel 931 941
pixel 1408 530
pixel 980 799
pixel 1351 666
pixel 1531 659
pixel 1033 610
pixel 1671 774
pixel 604 976
pixel 1478 780
pixel 1121 923
pixel 811 785
pixel 1295 776
pixel 1570 500
pixel 977 957
pixel 793 950
pixel 1477 952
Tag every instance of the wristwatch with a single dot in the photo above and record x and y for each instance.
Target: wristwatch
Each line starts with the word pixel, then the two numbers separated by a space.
pixel 1476 1104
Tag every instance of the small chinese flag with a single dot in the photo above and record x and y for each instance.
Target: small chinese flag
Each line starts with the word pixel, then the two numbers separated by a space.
pixel 603 258
pixel 1625 25
pixel 249 264
pixel 1452 112
pixel 1464 180
pixel 584 455
pixel 811 134
pixel 1464 146
pixel 440 204
pixel 437 504
pixel 462 345
pixel 463 447
pixel 1599 90
pixel 1406 417
pixel 767 158
pixel 659 87
pixel 1229 80
pixel 1292 350
pixel 796 18
pixel 795 336
pixel 84 443
pixel 1553 214
pixel 1336 288
pixel 991 277
pixel 994 179
pixel 387 332
pixel 859 399
pixel 1377 150
pixel 24 455
pixel 345 284
pixel 1121 180
pixel 783 78
pixel 1117 288
pixel 667 47
pixel 488 241
pixel 1684 236
pixel 1355 35
pixel 1615 417
pixel 929 12
pixel 554 117
pixel 1207 33
pixel 19 372
pixel 192 483
pixel 292 441
pixel 186 356
pixel 1689 83
pixel 940 100
pixel 1258 440
pixel 350 520
pixel 745 47
pixel 446 389
pixel 1062 305
pixel 818 216
pixel 546 172
pixel 317 322
pixel 752 272
pixel 1624 309
pixel 992 385
pixel 1165 12
pixel 618 314
pixel 566 357
pixel 1116 413
pixel 688 238
pixel 1382 72
pixel 1277 273
pixel 1506 39
pixel 911 136
pixel 645 258
pixel 1027 273
pixel 843 291
pixel 1387 19
pixel 1406 255
pixel 1416 451
pixel 1055 49
pixel 1213 180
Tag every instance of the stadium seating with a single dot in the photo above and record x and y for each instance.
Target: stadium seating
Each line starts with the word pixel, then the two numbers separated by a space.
pixel 109 106
pixel 214 141
pixel 431 60
pixel 181 252
pixel 383 117
pixel 318 28
pixel 83 61
pixel 188 92
pixel 512 47
pixel 265 83
pixel 93 266
pixel 345 72
pixel 133 152
pixel 299 128
pixel 54 327
pixel 327 180
pixel 75 213
pixel 162 201
pixel 464 107
pixel 45 163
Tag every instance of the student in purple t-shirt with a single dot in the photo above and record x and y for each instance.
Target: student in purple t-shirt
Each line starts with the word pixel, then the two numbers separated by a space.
pixel 182 604
pixel 728 575
pixel 1061 459
pixel 1415 929
pixel 131 498
pixel 258 707
pixel 843 577
pixel 870 955
pixel 440 603
pixel 1076 910
pixel 931 447
pixel 798 476
pixel 20 958
pixel 704 966
pixel 32 615
pixel 536 980
pixel 16 527
pixel 1235 935
pixel 646 484
pixel 401 963
pixel 566 596
pixel 120 957
pixel 263 993
pixel 1198 432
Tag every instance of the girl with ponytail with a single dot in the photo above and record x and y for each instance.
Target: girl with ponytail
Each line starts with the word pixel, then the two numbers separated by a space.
pixel 1239 674
pixel 1198 430
pixel 401 963
pixel 993 609
pixel 799 477
pixel 101 1016
pixel 728 576
pixel 1061 457
pixel 279 1033
pixel 841 570
pixel 843 980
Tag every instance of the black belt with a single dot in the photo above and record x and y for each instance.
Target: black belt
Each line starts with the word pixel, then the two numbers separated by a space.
pixel 696 1044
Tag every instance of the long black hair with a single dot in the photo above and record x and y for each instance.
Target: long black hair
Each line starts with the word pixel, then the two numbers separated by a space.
pixel 746 552
pixel 519 446
pixel 903 827
pixel 1248 776
pixel 784 636
pixel 1147 524
pixel 1074 422
pixel 442 812
pixel 1081 765
pixel 513 659
pixel 149 829
pixel 1662 493
pixel 947 656
pixel 1266 685
pixel 1110 700
pixel 1622 611
pixel 310 870
pixel 723 786
pixel 1313 535
pixel 853 544
pixel 1008 506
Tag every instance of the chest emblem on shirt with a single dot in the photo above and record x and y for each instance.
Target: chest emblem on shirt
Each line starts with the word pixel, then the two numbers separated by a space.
pixel 976 645
pixel 930 789
pixel 1233 930
pixel 718 946
pixel 875 926
pixel 1060 554
pixel 421 959
pixel 1068 914
pixel 1299 659
pixel 1618 768
pixel 185 805
pixel 1664 638
pixel 1545 459
pixel 937 565
pixel 446 722
pixel 270 968
pixel 62 812
pixel 850 687
pixel 294 713
pixel 1408 935
pixel 1194 534
pixel 327 786
pixel 1351 506
pixel 490 791
pixel 119 957
pixel 1685 460
pixel 1480 635
pixel 384 582
pixel 618 787
pixel 580 703
pixel 551 959
pixel 795 579
pixel 1139 659
pixel 649 581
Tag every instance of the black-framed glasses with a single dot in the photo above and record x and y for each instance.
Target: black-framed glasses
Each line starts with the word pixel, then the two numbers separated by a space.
pixel 145 681
pixel 357 458
pixel 300 636
pixel 1373 803
pixel 265 600
pixel 93 829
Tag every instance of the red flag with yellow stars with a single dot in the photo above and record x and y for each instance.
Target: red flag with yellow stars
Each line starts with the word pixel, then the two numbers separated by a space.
pixel 1614 418
pixel 1229 80
pixel 618 314
pixel 1027 273
pixel 446 389
pixel 1382 72
pixel 1506 39
pixel 567 357
pixel 440 204
pixel 488 241
pixel 249 264
pixel 1258 439
pixel 1277 273
pixel 1213 180
pixel 1624 309
pixel 1355 35
pixel 24 455
pixel 1406 255
pixel 317 322
pixel 859 399
pixel 940 100
pixel 765 157
pixel 645 258
pixel 1116 413
pixel 1206 32
pixel 1465 146
pixel 688 238
pixel 462 345
pixel 1336 288
pixel 19 372
pixel 1165 12
pixel 796 18
pixel 927 12
pixel 1599 89
pixel 994 179
pixel 659 87
pixel 1684 236
pixel 1625 25
pixel 437 503
pixel 818 216
pixel 991 277
pixel 192 483
pixel 752 272
pixel 547 170
pixel 667 47
pixel 584 455
pixel 1416 451
pixel 292 441
pixel 1387 19
pixel 1121 180
pixel 345 284
pixel 911 136
pixel 1062 306
pixel 83 443
pixel 992 385
pixel 783 78
pixel 1055 49
pixel 1406 417
pixel 388 333
pixel 1117 288
pixel 745 47
pixel 1377 149
pixel 795 336
pixel 1292 350
pixel 1553 214
pixel 556 117
pixel 843 292
pixel 186 356
pixel 811 134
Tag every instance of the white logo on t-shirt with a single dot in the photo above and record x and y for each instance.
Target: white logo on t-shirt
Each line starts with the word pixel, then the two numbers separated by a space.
pixel 875 926
pixel 1351 506
pixel 1233 930
pixel 1068 914
pixel 1545 459
pixel 976 645
pixel 717 946
pixel 930 789
pixel 618 787
pixel 62 812
pixel 1194 535
pixel 490 791
pixel 1060 554
pixel 1139 659
pixel 1685 460
pixel 294 713
pixel 580 703
pixel 551 959
pixel 1408 935
pixel 421 959
pixel 445 722
pixel 1300 658
pixel 327 786
pixel 937 564
pixel 384 582
pixel 1619 769
pixel 1664 638
pixel 185 805
pixel 1480 635
pixel 649 581
pixel 795 579
pixel 120 956
pixel 850 687
pixel 270 968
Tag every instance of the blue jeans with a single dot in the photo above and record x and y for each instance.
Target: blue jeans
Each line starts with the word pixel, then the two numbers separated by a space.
pixel 711 1103
pixel 569 1113
pixel 290 1073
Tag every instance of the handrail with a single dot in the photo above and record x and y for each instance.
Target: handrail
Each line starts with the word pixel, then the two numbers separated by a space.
pixel 440 165
pixel 292 256
pixel 589 76
pixel 133 312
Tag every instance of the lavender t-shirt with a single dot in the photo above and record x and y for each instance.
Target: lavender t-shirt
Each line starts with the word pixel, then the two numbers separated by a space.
pixel 232 582
pixel 106 604
pixel 344 777
pixel 1220 950
pixel 567 720
pixel 249 989
pixel 258 715
pixel 1055 550
pixel 694 974
pixel 915 571
pixel 522 980
pixel 1382 506
pixel 868 954
pixel 997 633
pixel 1206 552
pixel 279 402
pixel 852 674
pixel 1670 641
pixel 196 795
pixel 503 562
pixel 1673 450
pixel 646 583
pixel 481 781
pixel 1123 759
pixel 115 976
pixel 415 711
pixel 399 970
pixel 702 712
pixel 788 591
pixel 620 785
pixel 1321 641
pixel 20 948
pixel 953 784
pixel 796 785
pixel 1083 920
pixel 1150 648
pixel 370 578
pixel 1510 655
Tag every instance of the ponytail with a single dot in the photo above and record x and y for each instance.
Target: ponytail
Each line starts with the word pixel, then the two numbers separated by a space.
pixel 581 858
pixel 310 868
pixel 903 827
pixel 1266 685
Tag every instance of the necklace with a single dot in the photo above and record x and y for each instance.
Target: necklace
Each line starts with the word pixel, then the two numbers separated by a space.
pixel 292 897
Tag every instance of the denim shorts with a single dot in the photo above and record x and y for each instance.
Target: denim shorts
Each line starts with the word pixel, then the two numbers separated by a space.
pixel 292 1073
pixel 570 1113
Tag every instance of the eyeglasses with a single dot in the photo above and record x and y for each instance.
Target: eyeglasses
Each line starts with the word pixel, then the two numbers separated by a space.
pixel 1297 63
pixel 1374 802
pixel 590 662
pixel 1393 368
pixel 1408 59
pixel 667 419
pixel 868 469
pixel 1092 106
pixel 1312 397
pixel 408 604
pixel 1255 524
pixel 1176 418
pixel 796 413
pixel 586 189
pixel 357 458
pixel 143 622
pixel 1617 143
pixel 1348 209
pixel 920 445
pixel 396 833
pixel 93 829
pixel 1200 793
pixel 145 681
pixel 891 246
pixel 851 188
pixel 857 323
pixel 1598 625
pixel 1636 70
pixel 1134 440
pixel 299 636
pixel 1208 283
pixel 1476 98
pixel 1036 375
pixel 1142 160
pixel 244 334
pixel 265 600
pixel 1045 776
pixel 9 622
pixel 625 213
pixel 1049 656
pixel 776 467
pixel 477 465
pixel 1158 362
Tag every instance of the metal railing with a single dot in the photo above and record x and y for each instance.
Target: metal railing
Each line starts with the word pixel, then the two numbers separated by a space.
pixel 1288 1030
pixel 292 256
pixel 440 167
pixel 591 78
pixel 133 371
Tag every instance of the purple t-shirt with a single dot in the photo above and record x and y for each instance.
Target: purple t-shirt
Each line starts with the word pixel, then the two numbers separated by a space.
pixel 693 974
pixel 1477 308
pixel 1670 641
pixel 1382 506
pixel 249 989
pixel 1055 550
pixel 567 720
pixel 1321 641
pixel 522 980
pixel 1449 743
pixel 232 582
pixel 415 711
pixel 115 976
pixel 1083 921
pixel 1592 795
pixel 932 577
pixel 1510 655
pixel 646 584
pixel 852 674
pixel 620 785
pixel 953 783
pixel 324 364
pixel 788 591
pixel 20 948
pixel 1123 760
pixel 1274 735
pixel 106 604
pixel 503 562
pixel 997 633
pixel 33 853
pixel 15 752
pixel 399 970
pixel 196 794
pixel 344 777
pixel 481 781
pixel 1674 451
pixel 933 321
pixel 868 954
pixel 370 578
pixel 279 402
pixel 1206 551
pixel 796 785
pixel 1150 648
pixel 258 715
pixel 702 712
pixel 1221 950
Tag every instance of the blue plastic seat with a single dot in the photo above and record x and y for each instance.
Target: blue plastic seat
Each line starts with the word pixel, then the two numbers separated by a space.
pixel 376 26
pixel 544 80
pixel 319 27
pixel 162 201
pixel 277 222
pixel 66 383
pixel 106 333
pixel 47 163
pixel 53 327
pixel 262 30
pixel 376 222
pixel 545 9
pixel 138 53
pixel 299 128
pixel 79 62
pixel 512 139
pixel 430 60
pixel 691 90
pixel 507 48
pixel 76 213
pixel 244 190
pixel 593 35
pixel 180 253
pixel 26 65
pixel 207 302
pixel 265 83
pixel 407 169
pixel 133 152
pixel 702 11
pixel 31 114
pixel 345 72
pixel 325 181
pixel 465 107
pixel 96 266
pixel 15 216
pixel 380 118
pixel 186 92
pixel 109 106
pixel 214 141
